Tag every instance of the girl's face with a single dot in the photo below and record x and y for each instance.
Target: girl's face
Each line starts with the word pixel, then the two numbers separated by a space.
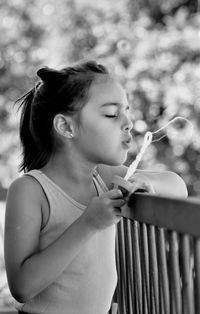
pixel 104 132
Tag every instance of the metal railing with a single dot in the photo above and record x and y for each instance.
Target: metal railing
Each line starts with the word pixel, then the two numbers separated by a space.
pixel 158 256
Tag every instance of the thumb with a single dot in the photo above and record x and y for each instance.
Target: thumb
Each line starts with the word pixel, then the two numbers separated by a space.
pixel 113 194
pixel 125 186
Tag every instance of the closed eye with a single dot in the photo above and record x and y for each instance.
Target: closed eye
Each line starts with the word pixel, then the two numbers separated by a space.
pixel 111 115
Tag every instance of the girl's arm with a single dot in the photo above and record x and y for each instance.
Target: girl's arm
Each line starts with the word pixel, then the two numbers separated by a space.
pixel 30 270
pixel 164 183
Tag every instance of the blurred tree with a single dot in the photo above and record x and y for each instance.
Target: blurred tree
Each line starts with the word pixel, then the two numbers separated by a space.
pixel 158 10
pixel 158 63
pixel 19 42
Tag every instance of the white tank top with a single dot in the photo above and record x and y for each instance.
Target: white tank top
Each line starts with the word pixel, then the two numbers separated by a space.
pixel 88 283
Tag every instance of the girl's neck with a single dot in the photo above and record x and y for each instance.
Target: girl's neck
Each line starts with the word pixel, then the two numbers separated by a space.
pixel 74 178
pixel 77 172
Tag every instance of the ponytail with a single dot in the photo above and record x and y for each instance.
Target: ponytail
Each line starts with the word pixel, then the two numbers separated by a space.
pixel 34 155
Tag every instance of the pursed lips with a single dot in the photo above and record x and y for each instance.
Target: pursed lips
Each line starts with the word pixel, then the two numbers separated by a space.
pixel 127 140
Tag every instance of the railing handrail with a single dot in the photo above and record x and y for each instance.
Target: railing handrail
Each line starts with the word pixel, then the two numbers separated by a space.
pixel 181 215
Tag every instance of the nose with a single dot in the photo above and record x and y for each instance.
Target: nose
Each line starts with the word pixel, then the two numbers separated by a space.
pixel 128 124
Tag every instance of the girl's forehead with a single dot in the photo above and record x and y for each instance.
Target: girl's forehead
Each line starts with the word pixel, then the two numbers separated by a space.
pixel 108 90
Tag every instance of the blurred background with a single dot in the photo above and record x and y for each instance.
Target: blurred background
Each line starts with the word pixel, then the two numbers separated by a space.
pixel 152 46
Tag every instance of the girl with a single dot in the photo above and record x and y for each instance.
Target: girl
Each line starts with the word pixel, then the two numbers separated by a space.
pixel 75 131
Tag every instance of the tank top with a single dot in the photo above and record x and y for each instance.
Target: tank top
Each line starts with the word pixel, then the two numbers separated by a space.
pixel 87 284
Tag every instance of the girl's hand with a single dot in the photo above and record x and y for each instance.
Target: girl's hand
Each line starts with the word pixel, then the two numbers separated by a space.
pixel 141 182
pixel 137 182
pixel 104 211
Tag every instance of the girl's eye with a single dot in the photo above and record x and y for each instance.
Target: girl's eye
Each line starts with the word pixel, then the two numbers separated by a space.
pixel 111 115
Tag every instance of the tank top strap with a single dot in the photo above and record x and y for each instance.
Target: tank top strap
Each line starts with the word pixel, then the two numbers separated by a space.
pixel 52 190
pixel 47 185
pixel 99 182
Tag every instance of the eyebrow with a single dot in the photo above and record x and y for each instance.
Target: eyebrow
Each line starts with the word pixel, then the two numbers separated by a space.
pixel 114 104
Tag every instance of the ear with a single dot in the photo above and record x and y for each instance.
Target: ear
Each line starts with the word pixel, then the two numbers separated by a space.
pixel 64 125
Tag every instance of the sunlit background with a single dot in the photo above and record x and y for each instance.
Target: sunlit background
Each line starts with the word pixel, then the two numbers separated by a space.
pixel 152 46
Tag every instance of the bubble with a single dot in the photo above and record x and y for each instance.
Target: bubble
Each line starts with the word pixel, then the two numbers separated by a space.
pixel 178 128
pixel 171 129
pixel 124 46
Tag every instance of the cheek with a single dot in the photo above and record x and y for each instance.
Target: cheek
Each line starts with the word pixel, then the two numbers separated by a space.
pixel 93 130
pixel 102 145
pixel 104 138
pixel 100 133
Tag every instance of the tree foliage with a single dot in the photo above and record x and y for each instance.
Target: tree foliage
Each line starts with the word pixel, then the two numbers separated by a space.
pixel 157 61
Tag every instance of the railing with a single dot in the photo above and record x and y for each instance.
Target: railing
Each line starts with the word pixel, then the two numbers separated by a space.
pixel 158 256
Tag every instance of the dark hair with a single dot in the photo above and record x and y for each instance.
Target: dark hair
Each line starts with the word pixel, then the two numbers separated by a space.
pixel 64 91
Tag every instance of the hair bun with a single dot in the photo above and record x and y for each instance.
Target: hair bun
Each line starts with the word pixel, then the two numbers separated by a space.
pixel 49 75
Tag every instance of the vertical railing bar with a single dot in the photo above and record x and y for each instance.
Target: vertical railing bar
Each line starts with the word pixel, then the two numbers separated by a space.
pixel 152 296
pixel 187 288
pixel 135 303
pixel 122 268
pixel 118 292
pixel 153 267
pixel 160 295
pixel 175 271
pixel 129 265
pixel 144 294
pixel 145 264
pixel 162 308
pixel 138 277
pixel 144 290
pixel 131 231
pixel 197 274
pixel 135 274
pixel 164 281
pixel 170 274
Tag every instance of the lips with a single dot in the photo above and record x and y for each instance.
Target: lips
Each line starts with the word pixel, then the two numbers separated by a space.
pixel 127 140
pixel 126 143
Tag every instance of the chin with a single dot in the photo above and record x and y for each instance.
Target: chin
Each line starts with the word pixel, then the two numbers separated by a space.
pixel 123 158
pixel 114 160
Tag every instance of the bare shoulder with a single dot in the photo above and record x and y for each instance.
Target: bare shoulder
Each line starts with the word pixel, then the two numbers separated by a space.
pixel 24 202
pixel 25 187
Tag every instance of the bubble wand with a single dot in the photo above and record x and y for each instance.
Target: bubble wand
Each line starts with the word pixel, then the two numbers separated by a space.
pixel 148 139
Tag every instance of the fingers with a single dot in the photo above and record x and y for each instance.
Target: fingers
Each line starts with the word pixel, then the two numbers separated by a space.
pixel 136 182
pixel 141 182
pixel 139 186
pixel 114 194
pixel 125 185
pixel 118 203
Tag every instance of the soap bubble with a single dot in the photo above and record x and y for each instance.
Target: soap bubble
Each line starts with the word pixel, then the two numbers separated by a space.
pixel 177 129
